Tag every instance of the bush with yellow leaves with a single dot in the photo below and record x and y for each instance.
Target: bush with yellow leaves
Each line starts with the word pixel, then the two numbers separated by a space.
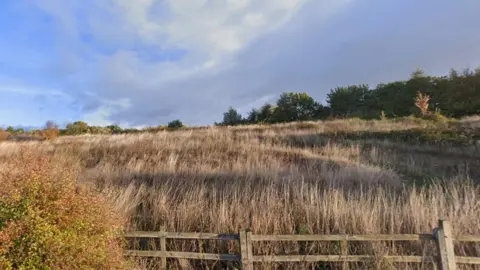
pixel 46 224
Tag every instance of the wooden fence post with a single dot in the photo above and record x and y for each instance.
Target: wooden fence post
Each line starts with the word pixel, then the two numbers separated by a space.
pixel 250 250
pixel 445 246
pixel 244 250
pixel 344 251
pixel 163 248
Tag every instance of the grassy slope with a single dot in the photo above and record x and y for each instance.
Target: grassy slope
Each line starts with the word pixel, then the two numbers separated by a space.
pixel 347 176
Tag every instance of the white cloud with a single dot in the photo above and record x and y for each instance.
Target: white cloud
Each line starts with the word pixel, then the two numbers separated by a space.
pixel 211 28
pixel 33 91
pixel 254 19
pixel 213 34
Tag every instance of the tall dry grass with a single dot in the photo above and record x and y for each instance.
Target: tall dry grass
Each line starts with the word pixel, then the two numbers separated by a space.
pixel 283 179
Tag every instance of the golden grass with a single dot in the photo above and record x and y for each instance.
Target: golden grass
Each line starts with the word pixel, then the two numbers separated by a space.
pixel 282 179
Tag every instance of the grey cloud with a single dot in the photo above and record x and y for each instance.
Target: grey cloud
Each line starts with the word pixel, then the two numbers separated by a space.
pixel 369 42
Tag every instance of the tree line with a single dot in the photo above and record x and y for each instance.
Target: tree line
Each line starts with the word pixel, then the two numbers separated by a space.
pixel 51 130
pixel 454 95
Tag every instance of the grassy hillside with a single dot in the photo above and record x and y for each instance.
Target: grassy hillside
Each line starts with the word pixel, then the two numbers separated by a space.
pixel 343 176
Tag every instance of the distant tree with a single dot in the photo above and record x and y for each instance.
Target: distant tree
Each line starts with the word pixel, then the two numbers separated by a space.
pixel 418 73
pixel 99 130
pixel 77 128
pixel 322 112
pixel 50 131
pixel 10 129
pixel 116 129
pixel 231 117
pixel 175 124
pixel 265 113
pixel 348 101
pixel 467 72
pixel 51 125
pixel 477 71
pixel 453 74
pixel 19 131
pixel 253 116
pixel 295 107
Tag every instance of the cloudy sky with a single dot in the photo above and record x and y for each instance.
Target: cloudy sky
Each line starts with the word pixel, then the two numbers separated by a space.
pixel 146 62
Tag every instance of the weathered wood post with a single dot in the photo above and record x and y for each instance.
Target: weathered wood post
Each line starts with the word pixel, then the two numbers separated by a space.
pixel 344 251
pixel 444 239
pixel 244 243
pixel 163 248
pixel 250 250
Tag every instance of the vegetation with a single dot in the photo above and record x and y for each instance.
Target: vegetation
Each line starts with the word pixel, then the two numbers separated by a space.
pixel 50 131
pixel 46 222
pixel 77 128
pixel 175 124
pixel 338 176
pixel 453 96
pixel 456 95
pixel 232 118
pixel 388 160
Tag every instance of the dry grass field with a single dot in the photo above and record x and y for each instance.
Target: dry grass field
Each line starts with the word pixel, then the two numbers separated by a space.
pixel 342 176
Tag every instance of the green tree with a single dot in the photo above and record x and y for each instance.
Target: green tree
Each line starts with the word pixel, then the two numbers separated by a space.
pixel 10 129
pixel 77 128
pixel 253 116
pixel 175 124
pixel 295 107
pixel 385 97
pixel 231 117
pixel 322 112
pixel 116 129
pixel 19 131
pixel 348 101
pixel 418 73
pixel 265 113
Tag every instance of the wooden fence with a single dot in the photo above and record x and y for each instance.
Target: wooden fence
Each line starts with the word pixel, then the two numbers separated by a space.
pixel 442 235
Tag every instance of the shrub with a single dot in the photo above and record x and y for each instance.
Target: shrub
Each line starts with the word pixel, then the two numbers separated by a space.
pixel 115 129
pixel 175 124
pixel 99 130
pixel 77 128
pixel 440 121
pixel 383 116
pixel 50 132
pixel 421 101
pixel 437 117
pixel 45 223
pixel 4 135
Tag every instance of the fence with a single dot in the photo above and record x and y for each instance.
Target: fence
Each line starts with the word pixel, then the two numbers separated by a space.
pixel 442 235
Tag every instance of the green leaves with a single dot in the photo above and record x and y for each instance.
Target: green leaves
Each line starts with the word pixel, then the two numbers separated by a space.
pixel 231 118
pixel 175 124
pixel 295 107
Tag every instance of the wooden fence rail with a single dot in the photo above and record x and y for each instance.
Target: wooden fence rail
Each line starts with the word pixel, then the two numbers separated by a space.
pixel 442 236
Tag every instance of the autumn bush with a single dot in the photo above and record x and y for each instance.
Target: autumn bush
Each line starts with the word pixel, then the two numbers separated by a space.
pixel 46 223
pixel 421 102
pixel 49 134
pixel 50 131
pixel 4 135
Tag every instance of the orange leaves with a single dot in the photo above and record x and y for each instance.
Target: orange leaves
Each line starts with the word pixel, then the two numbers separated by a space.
pixel 421 101
pixel 52 225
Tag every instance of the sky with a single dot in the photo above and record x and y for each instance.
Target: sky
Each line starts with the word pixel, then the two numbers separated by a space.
pixel 147 62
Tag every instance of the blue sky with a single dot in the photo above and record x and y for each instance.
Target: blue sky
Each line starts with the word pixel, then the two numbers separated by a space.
pixel 147 62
